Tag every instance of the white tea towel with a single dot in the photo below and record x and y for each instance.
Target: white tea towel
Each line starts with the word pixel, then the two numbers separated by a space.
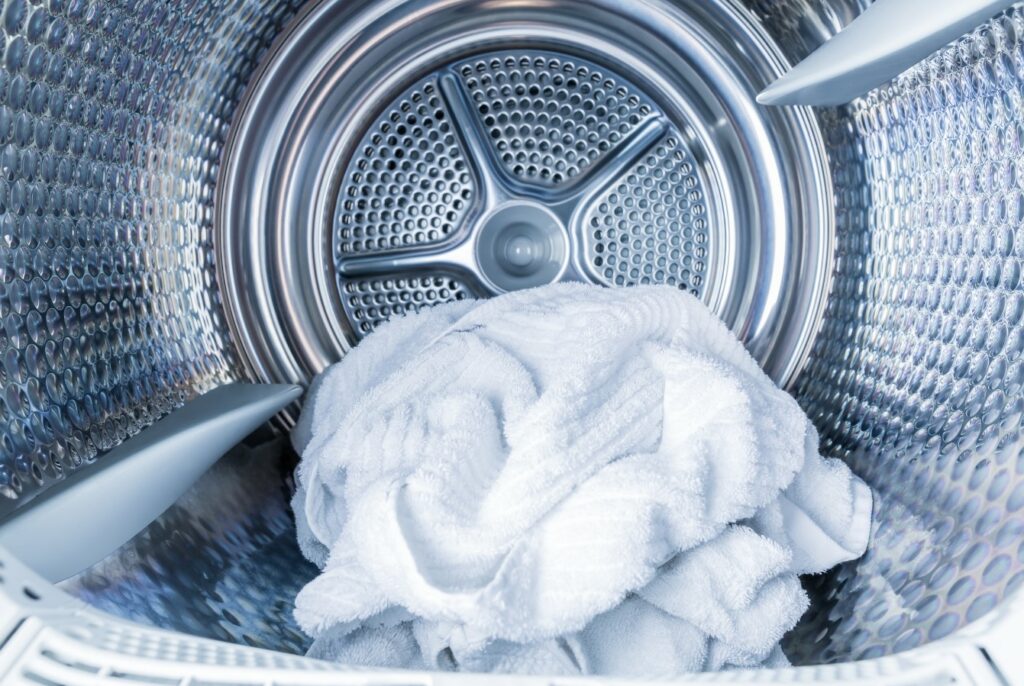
pixel 513 483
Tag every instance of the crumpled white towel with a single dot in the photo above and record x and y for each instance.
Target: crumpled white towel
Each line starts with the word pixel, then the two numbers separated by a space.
pixel 565 480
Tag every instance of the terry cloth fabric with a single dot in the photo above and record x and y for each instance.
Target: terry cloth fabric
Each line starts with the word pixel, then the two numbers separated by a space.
pixel 564 480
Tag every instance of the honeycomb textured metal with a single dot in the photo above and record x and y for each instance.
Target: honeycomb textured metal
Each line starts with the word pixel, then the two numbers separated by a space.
pixel 549 116
pixel 111 121
pixel 409 185
pixel 916 378
pixel 223 563
pixel 371 302
pixel 653 226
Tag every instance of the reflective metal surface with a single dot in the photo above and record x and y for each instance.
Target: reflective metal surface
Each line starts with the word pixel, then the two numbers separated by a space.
pixel 800 26
pixel 915 376
pixel 222 563
pixel 887 39
pixel 570 173
pixel 112 117
pixel 383 146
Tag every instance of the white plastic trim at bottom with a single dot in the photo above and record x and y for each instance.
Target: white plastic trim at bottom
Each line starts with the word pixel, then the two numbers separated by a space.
pixel 48 638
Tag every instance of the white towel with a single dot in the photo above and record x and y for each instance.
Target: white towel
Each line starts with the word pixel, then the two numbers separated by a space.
pixel 563 480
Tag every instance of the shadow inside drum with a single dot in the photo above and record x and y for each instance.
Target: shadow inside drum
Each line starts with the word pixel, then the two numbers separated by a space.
pixel 222 563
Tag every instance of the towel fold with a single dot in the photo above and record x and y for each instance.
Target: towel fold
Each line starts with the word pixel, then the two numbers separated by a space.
pixel 565 480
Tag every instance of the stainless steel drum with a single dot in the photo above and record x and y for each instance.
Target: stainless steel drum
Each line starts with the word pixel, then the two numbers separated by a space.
pixel 465 149
pixel 202 191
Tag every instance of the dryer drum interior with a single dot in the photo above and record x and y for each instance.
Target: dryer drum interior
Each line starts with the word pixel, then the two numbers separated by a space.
pixel 201 193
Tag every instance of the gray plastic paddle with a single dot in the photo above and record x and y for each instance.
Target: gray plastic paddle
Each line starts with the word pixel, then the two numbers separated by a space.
pixel 84 518
pixel 889 37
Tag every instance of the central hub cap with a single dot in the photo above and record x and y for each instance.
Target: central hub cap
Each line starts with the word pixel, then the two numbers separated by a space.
pixel 521 245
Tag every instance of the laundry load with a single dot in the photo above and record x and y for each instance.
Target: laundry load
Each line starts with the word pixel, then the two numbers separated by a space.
pixel 563 480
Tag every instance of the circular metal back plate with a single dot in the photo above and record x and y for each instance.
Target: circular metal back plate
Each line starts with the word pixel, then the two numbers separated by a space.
pixel 554 154
pixel 392 156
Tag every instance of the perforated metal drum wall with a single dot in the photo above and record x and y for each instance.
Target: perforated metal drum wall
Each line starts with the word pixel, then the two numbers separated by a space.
pixel 916 378
pixel 410 190
pixel 222 563
pixel 112 116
